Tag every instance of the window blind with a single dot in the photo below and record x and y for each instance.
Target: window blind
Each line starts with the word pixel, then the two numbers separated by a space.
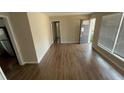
pixel 108 30
pixel 119 48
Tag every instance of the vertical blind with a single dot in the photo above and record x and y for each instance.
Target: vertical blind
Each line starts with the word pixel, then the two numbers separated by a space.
pixel 108 30
pixel 111 38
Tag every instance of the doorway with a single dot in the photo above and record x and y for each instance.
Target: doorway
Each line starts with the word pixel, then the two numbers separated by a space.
pixel 8 59
pixel 84 31
pixel 56 31
pixel 87 30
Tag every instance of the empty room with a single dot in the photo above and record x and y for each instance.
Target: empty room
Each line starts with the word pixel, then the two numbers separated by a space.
pixel 62 45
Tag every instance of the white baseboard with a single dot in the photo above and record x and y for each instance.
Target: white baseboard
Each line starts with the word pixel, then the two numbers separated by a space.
pixel 70 42
pixel 30 62
pixel 45 53
pixel 38 61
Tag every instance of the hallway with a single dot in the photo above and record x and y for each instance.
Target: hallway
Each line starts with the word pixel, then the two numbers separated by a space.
pixel 68 62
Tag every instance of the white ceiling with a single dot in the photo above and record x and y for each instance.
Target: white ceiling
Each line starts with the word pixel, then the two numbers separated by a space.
pixel 66 13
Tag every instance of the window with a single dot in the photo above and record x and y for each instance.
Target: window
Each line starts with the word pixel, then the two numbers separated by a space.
pixel 119 48
pixel 108 30
pixel 111 37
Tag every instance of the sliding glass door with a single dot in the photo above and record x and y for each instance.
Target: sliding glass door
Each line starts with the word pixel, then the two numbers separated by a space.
pixel 111 37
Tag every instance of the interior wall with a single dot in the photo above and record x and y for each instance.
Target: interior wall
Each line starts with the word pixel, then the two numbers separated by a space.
pixel 23 35
pixel 32 34
pixel 19 31
pixel 1 23
pixel 69 27
pixel 107 55
pixel 9 26
pixel 40 29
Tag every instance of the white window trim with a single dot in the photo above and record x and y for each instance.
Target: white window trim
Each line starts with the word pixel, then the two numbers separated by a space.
pixel 108 50
pixel 118 33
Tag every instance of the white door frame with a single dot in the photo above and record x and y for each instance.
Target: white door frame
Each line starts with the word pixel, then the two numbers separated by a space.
pixel 3 75
pixel 89 36
pixel 13 39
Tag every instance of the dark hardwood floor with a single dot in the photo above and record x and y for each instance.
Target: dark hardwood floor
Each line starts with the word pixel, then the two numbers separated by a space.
pixel 7 62
pixel 68 62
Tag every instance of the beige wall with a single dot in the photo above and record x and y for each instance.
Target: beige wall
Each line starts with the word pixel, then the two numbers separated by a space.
pixel 1 23
pixel 32 34
pixel 12 35
pixel 22 36
pixel 40 29
pixel 69 27
pixel 107 55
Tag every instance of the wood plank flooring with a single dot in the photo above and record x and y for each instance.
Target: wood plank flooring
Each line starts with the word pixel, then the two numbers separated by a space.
pixel 7 62
pixel 68 62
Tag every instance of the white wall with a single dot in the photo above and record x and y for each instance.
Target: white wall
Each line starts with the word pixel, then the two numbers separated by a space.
pixel 69 27
pixel 42 36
